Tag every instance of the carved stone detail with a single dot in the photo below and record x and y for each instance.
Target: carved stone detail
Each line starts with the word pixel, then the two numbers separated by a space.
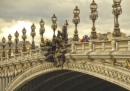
pixel 127 64
pixel 27 75
pixel 104 72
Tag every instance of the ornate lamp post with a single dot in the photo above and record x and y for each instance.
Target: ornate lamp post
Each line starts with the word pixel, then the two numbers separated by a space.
pixel 64 31
pixel 54 25
pixel 24 38
pixel 117 10
pixel 16 41
pixel 76 20
pixel 93 16
pixel 42 30
pixel 9 42
pixel 33 33
pixel 3 45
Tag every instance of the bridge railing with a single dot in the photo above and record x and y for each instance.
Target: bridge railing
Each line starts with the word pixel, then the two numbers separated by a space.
pixel 81 47
pixel 21 58
pixel 122 45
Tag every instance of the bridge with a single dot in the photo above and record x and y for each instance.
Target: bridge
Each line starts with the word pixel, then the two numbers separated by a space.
pixel 59 65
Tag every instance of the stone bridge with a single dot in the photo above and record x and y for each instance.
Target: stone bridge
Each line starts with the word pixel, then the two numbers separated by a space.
pixel 62 66
pixel 100 61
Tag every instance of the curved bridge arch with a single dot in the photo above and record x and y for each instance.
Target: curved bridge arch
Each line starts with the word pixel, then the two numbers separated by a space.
pixel 109 73
pixel 30 74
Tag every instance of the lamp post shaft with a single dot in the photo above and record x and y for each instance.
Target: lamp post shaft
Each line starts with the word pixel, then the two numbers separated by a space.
pixel 76 20
pixel 93 16
pixel 117 10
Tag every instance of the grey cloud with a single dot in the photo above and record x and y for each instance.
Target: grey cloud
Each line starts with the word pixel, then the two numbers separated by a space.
pixel 34 10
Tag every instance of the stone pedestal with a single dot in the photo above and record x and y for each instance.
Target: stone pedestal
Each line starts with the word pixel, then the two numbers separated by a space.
pixel 16 56
pixel 24 55
pixel 33 53
pixel 3 58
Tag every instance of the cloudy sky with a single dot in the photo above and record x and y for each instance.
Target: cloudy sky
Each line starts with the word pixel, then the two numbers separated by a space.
pixel 16 14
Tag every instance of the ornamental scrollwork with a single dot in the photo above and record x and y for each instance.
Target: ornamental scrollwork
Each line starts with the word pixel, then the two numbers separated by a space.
pixel 127 64
pixel 113 61
pixel 118 75
pixel 90 59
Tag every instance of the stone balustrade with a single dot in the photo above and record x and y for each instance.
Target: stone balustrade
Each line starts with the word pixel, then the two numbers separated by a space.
pixel 120 45
pixel 21 58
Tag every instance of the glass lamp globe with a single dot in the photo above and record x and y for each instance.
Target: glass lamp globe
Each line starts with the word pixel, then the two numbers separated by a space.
pixel 54 18
pixel 33 27
pixel 42 22
pixel 117 1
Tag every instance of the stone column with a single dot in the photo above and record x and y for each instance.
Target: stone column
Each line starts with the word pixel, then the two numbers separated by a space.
pixel 0 83
pixel 9 79
pixel 6 81
pixel 3 81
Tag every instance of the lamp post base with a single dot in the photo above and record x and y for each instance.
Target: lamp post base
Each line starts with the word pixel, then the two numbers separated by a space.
pixel 76 37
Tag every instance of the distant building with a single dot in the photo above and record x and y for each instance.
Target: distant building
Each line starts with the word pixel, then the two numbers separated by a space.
pixel 108 36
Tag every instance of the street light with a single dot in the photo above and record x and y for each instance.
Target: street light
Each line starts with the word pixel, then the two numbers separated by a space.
pixel 117 1
pixel 9 42
pixel 3 45
pixel 54 25
pixel 42 30
pixel 33 33
pixel 76 21
pixel 24 38
pixel 93 16
pixel 64 31
pixel 117 10
pixel 16 41
pixel 54 18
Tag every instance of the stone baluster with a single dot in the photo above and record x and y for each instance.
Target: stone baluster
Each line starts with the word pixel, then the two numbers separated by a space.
pixel 9 42
pixel 90 46
pixel 113 44
pixel 73 48
pixel 103 46
pixel 94 45
pixel 117 46
pixel 83 47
